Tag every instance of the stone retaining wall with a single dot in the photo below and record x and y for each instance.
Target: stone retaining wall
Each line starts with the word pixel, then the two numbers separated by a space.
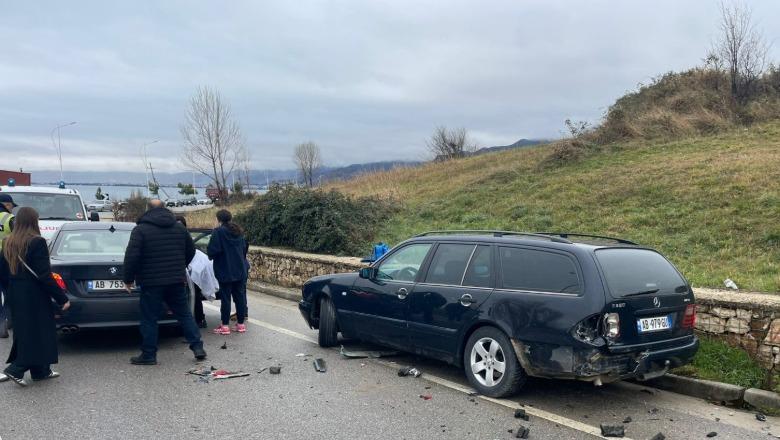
pixel 750 321
pixel 291 269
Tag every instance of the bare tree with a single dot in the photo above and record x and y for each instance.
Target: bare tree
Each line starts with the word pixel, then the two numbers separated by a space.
pixel 448 144
pixel 741 48
pixel 212 139
pixel 307 158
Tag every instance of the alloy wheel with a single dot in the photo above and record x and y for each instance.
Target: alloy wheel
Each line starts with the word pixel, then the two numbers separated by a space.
pixel 487 362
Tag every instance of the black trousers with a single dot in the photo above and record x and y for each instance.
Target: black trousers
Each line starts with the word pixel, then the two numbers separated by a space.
pixel 175 296
pixel 36 371
pixel 198 306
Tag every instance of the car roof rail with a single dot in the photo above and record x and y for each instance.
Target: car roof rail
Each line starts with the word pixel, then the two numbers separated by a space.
pixel 495 234
pixel 574 234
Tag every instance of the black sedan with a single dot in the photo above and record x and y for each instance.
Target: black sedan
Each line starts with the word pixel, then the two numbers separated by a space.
pixel 88 257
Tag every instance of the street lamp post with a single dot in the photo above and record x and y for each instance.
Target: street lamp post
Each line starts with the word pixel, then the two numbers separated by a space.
pixel 146 164
pixel 58 145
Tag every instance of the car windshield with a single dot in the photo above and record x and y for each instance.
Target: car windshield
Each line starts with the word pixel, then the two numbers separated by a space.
pixel 92 243
pixel 51 206
pixel 633 271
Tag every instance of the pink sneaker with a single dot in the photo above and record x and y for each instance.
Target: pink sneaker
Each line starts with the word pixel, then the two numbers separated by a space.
pixel 222 330
pixel 241 328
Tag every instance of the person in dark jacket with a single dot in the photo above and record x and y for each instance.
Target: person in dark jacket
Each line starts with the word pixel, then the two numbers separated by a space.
pixel 7 206
pixel 26 276
pixel 157 256
pixel 228 249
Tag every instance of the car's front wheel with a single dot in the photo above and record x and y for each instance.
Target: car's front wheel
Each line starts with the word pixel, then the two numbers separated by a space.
pixel 329 333
pixel 491 365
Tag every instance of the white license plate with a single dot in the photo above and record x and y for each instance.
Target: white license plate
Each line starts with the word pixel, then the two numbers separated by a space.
pixel 654 324
pixel 105 285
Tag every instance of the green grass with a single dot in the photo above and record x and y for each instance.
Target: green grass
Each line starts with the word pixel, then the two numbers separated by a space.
pixel 718 361
pixel 711 204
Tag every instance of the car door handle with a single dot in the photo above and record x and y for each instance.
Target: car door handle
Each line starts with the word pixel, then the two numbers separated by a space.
pixel 402 293
pixel 467 300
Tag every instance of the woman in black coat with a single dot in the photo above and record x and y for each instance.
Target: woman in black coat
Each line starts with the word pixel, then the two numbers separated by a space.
pixel 30 287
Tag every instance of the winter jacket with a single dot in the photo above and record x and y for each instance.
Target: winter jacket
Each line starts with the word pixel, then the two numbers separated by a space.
pixel 228 249
pixel 30 300
pixel 159 250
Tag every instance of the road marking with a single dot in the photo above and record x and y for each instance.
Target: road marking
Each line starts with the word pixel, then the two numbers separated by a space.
pixel 536 412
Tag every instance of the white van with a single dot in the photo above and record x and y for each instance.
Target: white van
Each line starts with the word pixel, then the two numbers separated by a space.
pixel 55 206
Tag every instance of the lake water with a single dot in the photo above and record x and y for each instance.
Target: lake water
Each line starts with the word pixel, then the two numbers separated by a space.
pixel 123 192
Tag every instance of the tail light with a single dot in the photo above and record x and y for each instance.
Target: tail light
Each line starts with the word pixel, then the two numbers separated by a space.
pixel 689 318
pixel 58 279
pixel 611 325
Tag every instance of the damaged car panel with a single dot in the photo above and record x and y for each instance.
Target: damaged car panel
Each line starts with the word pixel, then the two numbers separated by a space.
pixel 510 305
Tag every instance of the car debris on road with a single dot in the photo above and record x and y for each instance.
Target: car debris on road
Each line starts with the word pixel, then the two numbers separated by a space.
pixel 275 370
pixel 521 414
pixel 612 430
pixel 320 365
pixel 409 371
pixel 372 354
pixel 522 432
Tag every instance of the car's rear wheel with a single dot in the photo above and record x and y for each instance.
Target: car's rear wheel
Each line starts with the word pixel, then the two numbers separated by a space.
pixel 329 333
pixel 491 365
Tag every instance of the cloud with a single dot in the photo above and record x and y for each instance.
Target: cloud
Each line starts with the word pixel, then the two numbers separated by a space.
pixel 365 80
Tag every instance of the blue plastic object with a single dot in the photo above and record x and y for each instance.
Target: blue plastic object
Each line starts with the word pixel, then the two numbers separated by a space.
pixel 11 181
pixel 379 250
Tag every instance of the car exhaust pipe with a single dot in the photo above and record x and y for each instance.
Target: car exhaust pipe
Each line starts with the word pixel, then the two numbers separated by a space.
pixel 69 329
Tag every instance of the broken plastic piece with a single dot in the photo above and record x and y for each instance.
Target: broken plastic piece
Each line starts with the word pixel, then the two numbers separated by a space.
pixel 373 354
pixel 760 417
pixel 224 346
pixel 262 370
pixel 712 434
pixel 275 370
pixel 426 397
pixel 409 371
pixel 520 414
pixel 612 430
pixel 521 432
pixel 229 375
pixel 627 419
pixel 658 436
pixel 728 282
pixel 302 355
pixel 320 366
pixel 201 371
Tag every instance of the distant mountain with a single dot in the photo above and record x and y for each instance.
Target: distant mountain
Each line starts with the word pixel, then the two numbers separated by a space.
pixel 519 144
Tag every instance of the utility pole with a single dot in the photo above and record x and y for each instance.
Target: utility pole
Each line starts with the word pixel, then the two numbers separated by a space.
pixel 58 144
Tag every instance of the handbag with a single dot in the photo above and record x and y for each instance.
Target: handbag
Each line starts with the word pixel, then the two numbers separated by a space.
pixel 55 307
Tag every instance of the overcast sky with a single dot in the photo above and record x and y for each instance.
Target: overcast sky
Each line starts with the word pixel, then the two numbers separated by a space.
pixel 366 80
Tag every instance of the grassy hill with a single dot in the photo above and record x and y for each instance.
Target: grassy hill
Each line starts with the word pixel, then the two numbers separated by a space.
pixel 710 203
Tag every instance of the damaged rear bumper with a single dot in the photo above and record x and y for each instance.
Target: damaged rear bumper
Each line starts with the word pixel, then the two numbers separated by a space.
pixel 599 366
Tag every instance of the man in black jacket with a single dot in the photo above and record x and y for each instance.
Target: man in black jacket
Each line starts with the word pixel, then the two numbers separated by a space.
pixel 157 256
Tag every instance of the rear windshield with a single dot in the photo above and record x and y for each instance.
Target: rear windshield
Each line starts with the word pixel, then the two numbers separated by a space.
pixel 51 206
pixel 638 270
pixel 84 244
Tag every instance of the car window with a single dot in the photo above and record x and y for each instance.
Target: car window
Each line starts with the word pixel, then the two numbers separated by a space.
pixel 449 263
pixel 529 269
pixel 638 270
pixel 81 244
pixel 51 206
pixel 201 240
pixel 479 272
pixel 403 264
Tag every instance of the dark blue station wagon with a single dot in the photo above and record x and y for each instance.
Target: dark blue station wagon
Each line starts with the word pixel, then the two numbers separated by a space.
pixel 508 305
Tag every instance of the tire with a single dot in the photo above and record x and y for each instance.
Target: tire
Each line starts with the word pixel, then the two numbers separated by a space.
pixel 487 379
pixel 329 332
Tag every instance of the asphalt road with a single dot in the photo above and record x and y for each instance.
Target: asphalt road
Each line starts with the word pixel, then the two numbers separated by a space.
pixel 102 396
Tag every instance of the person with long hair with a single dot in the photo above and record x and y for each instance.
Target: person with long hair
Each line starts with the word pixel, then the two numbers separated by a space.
pixel 228 248
pixel 26 276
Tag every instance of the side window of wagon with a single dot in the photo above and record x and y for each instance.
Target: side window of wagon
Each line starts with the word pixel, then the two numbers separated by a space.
pixel 404 264
pixel 449 263
pixel 537 270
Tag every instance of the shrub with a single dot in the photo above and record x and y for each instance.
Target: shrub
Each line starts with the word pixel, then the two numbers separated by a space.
pixel 313 220
pixel 131 210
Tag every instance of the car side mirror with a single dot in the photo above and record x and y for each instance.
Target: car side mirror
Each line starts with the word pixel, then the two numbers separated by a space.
pixel 368 273
pixel 94 216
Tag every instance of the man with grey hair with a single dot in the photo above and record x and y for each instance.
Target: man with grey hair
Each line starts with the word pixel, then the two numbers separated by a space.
pixel 157 256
